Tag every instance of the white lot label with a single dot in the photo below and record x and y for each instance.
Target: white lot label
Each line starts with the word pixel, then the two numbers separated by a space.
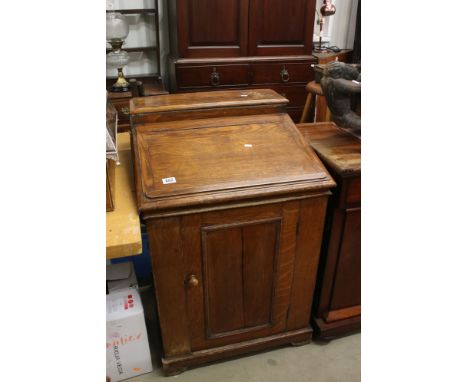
pixel 169 180
pixel 247 145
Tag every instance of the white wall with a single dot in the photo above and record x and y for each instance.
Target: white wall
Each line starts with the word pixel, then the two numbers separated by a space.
pixel 339 29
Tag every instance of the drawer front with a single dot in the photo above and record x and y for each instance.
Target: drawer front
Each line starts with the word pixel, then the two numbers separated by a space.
pixel 295 94
pixel 212 76
pixel 282 73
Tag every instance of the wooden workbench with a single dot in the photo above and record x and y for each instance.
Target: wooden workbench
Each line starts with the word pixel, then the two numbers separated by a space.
pixel 123 234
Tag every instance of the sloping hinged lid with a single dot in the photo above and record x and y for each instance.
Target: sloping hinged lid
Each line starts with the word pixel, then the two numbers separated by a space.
pixel 206 100
pixel 336 147
pixel 187 163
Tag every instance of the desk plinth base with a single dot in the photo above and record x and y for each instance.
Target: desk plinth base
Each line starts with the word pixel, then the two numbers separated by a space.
pixel 177 365
pixel 330 330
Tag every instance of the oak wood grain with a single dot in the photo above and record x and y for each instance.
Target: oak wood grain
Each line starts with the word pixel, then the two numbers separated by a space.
pixel 169 272
pixel 312 213
pixel 205 100
pixel 222 256
pixel 338 149
pixel 179 149
pixel 260 247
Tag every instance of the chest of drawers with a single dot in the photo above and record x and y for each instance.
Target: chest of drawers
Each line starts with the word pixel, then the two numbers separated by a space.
pixel 287 76
pixel 234 208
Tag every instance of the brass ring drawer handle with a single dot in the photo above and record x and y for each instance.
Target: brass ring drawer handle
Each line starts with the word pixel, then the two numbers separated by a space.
pixel 284 74
pixel 125 110
pixel 215 79
pixel 191 281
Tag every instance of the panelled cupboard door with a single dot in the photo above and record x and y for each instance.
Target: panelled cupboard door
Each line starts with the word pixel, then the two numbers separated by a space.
pixel 281 27
pixel 212 28
pixel 347 285
pixel 243 262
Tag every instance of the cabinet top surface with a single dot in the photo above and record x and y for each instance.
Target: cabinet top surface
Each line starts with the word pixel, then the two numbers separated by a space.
pixel 205 100
pixel 207 161
pixel 336 147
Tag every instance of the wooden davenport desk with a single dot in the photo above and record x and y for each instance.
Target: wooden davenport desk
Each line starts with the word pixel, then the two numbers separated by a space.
pixel 234 208
pixel 337 302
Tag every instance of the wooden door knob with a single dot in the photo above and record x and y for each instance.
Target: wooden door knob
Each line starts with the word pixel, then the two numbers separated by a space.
pixel 191 281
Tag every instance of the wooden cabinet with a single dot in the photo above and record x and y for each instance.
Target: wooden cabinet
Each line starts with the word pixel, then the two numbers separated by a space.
pixel 234 208
pixel 225 44
pixel 337 303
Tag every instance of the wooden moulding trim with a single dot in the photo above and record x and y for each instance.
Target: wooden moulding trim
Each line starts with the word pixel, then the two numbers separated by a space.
pixel 251 203
pixel 248 59
pixel 168 116
pixel 265 45
pixel 236 197
pixel 332 330
pixel 144 110
pixel 204 356
pixel 341 314
pixel 234 110
pixel 241 189
pixel 143 105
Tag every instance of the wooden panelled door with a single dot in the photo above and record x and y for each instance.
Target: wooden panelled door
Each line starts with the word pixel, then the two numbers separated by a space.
pixel 244 273
pixel 281 27
pixel 213 28
pixel 347 285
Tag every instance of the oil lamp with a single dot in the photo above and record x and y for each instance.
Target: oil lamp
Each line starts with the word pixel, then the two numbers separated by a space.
pixel 116 33
pixel 327 9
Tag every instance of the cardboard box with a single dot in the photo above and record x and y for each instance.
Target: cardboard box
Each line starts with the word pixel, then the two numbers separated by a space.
pixel 127 348
pixel 120 276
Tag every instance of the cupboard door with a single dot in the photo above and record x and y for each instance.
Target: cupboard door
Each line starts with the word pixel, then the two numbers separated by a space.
pixel 212 28
pixel 347 285
pixel 244 272
pixel 281 27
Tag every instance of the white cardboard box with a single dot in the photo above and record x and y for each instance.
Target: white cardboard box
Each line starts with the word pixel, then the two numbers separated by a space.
pixel 121 276
pixel 127 348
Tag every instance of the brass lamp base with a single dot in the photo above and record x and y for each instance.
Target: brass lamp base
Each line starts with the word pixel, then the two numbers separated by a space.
pixel 320 49
pixel 121 85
